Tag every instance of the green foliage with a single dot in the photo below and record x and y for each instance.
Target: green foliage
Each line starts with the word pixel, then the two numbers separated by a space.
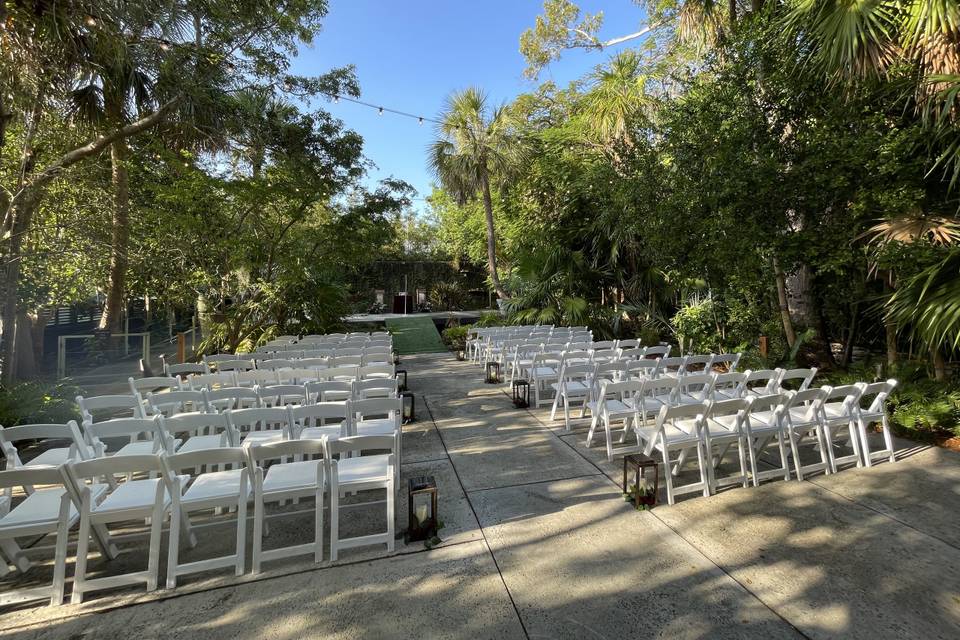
pixel 927 408
pixel 696 327
pixel 447 296
pixel 38 402
pixel 491 319
pixel 455 337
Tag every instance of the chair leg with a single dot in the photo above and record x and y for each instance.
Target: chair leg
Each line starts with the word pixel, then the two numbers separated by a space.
pixel 391 517
pixel 241 536
pixel 553 408
pixel 83 543
pixel 334 520
pixel 60 562
pixel 888 438
pixel 706 471
pixel 783 455
pixel 173 547
pixel 156 530
pixel 795 450
pixel 751 450
pixel 668 478
pixel 743 462
pixel 318 525
pixel 13 551
pixel 257 531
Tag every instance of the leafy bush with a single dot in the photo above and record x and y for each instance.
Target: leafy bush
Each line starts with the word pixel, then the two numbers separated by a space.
pixel 455 337
pixel 695 326
pixel 492 319
pixel 448 296
pixel 927 408
pixel 38 402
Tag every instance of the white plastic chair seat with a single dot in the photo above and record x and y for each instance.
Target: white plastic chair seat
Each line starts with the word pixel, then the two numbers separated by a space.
pixel 763 421
pixel 721 426
pixel 613 408
pixel 799 417
pixel 836 411
pixel 196 443
pixel 133 494
pixel 42 506
pixel 51 457
pixel 544 372
pixel 142 447
pixel 573 387
pixel 725 394
pixel 363 469
pixel 213 485
pixel 290 475
pixel 376 427
pixel 676 433
pixel 316 433
pixel 652 403
pixel 262 437
pixel 685 398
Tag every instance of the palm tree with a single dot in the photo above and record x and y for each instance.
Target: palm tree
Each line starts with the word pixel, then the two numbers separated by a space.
pixel 476 145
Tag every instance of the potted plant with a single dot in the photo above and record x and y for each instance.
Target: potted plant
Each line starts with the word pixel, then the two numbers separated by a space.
pixel 643 494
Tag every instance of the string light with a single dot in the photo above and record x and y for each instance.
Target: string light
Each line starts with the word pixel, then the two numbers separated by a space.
pixel 381 109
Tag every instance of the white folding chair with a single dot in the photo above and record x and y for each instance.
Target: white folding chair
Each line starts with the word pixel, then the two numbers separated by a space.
pixel 371 371
pixel 573 386
pixel 796 379
pixel 764 425
pixel 544 370
pixel 695 388
pixel 726 362
pixel 95 408
pixel 67 434
pixel 375 388
pixel 280 395
pixel 875 413
pixel 231 398
pixel 678 429
pixel 328 391
pixel 220 489
pixel 323 419
pixel 235 365
pixel 616 403
pixel 210 381
pixel 762 382
pixel 838 415
pixel 284 480
pixel 725 426
pixel 259 425
pixel 175 402
pixel 48 510
pixel 203 431
pixel 184 369
pixel 801 415
pixel 354 472
pixel 257 378
pixel 153 384
pixel 131 500
pixel 157 441
pixel 729 386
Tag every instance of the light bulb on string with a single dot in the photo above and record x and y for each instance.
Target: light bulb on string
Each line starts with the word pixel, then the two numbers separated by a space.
pixel 380 110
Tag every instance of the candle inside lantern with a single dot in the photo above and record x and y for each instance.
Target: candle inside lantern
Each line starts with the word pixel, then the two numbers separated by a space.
pixel 421 513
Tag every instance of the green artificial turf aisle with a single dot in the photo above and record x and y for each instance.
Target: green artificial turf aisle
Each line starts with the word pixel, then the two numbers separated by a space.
pixel 415 335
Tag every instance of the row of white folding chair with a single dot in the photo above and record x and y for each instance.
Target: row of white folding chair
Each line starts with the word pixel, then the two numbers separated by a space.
pixel 829 416
pixel 321 358
pixel 75 494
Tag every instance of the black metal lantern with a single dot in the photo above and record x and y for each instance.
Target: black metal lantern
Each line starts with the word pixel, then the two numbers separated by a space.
pixel 492 374
pixel 409 408
pixel 642 492
pixel 422 509
pixel 521 394
pixel 402 386
pixel 396 358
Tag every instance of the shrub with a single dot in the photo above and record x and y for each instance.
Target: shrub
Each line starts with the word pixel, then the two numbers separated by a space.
pixel 455 337
pixel 696 328
pixel 38 402
pixel 491 319
pixel 448 296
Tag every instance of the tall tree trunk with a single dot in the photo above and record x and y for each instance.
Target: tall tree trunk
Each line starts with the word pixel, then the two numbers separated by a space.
pixel 939 364
pixel 21 215
pixel 851 335
pixel 781 278
pixel 890 327
pixel 113 312
pixel 491 239
pixel 732 10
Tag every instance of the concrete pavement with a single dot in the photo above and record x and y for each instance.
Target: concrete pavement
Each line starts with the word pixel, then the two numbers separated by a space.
pixel 539 543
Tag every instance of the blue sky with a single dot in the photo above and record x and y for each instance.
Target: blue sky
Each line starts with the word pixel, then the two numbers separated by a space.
pixel 411 54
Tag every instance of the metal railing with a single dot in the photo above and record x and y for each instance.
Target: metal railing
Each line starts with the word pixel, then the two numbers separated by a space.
pixel 62 346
